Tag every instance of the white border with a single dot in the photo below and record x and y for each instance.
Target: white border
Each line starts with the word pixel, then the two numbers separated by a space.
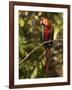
pixel 16 45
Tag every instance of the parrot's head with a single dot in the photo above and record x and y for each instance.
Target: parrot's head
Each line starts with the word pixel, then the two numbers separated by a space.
pixel 45 22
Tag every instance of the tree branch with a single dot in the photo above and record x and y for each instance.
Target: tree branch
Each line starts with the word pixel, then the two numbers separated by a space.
pixel 37 48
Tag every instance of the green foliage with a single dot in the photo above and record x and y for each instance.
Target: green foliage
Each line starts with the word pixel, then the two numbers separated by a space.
pixel 30 36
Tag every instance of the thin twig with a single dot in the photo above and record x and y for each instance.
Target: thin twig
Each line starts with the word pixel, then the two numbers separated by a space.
pixel 37 48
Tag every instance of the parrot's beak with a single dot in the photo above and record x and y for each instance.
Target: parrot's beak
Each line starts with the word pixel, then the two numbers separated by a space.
pixel 41 22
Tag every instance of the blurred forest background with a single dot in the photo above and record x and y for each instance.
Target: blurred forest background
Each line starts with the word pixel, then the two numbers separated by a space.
pixel 30 37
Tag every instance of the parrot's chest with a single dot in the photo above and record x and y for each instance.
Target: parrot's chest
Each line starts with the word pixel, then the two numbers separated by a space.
pixel 47 34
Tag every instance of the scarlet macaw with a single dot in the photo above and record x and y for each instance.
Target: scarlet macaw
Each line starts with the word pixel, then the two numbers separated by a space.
pixel 48 35
pixel 48 31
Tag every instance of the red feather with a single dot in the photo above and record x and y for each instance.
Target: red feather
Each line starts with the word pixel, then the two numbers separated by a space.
pixel 47 33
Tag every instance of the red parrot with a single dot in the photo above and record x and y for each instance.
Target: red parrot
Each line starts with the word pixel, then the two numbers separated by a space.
pixel 48 35
pixel 48 31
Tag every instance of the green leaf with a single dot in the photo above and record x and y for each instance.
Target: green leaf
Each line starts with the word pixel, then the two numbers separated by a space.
pixel 43 62
pixel 34 73
pixel 21 22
